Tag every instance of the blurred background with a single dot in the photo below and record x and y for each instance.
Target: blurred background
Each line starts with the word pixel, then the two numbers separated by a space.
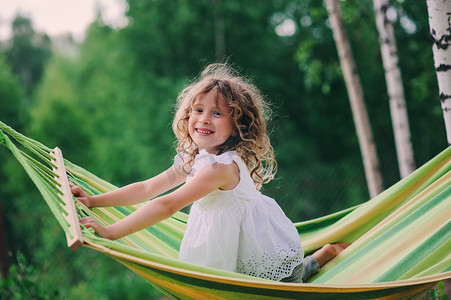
pixel 105 93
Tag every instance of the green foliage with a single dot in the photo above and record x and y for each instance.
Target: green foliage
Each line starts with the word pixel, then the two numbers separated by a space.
pixel 60 109
pixel 11 95
pixel 28 52
pixel 11 111
pixel 23 282
pixel 317 58
pixel 438 292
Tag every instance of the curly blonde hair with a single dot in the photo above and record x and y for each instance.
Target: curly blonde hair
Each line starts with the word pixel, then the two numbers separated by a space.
pixel 249 113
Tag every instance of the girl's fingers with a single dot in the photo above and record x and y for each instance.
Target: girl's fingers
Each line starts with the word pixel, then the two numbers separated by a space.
pixel 80 194
pixel 88 222
pixel 76 190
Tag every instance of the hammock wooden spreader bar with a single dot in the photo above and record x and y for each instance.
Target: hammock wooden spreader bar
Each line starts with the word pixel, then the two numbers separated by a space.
pixel 401 239
pixel 73 236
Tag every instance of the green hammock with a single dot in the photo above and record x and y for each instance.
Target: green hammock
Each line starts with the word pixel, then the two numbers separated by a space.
pixel 401 239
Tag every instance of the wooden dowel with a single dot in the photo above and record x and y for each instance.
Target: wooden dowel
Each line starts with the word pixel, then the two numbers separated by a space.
pixel 74 239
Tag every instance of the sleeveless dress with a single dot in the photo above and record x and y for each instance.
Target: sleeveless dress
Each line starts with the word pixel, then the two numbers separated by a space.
pixel 239 230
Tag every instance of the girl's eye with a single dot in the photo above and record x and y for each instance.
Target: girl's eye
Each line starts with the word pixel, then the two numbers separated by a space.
pixel 217 113
pixel 198 110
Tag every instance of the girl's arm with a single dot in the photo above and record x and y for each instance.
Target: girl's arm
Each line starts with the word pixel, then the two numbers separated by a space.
pixel 133 193
pixel 204 182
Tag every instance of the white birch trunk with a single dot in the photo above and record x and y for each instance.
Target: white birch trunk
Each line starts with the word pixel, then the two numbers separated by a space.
pixel 400 121
pixel 354 87
pixel 440 25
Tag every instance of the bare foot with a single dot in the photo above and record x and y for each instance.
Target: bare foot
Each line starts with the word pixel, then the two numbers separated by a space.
pixel 329 251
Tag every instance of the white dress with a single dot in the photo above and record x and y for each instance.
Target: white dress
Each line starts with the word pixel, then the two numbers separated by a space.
pixel 239 230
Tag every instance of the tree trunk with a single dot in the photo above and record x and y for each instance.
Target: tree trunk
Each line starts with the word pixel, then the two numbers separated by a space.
pixel 219 30
pixel 400 121
pixel 440 25
pixel 354 87
pixel 3 247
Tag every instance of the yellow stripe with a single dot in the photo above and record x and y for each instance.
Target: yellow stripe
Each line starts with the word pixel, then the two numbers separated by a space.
pixel 409 293
pixel 368 266
pixel 182 289
pixel 273 285
pixel 406 240
pixel 413 203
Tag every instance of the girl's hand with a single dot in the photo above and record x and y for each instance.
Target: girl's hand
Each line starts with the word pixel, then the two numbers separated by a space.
pixel 89 222
pixel 80 195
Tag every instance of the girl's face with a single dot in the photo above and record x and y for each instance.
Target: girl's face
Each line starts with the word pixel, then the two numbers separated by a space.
pixel 210 122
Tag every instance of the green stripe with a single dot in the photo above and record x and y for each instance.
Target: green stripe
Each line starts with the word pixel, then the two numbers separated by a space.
pixel 433 250
pixel 390 234
pixel 236 291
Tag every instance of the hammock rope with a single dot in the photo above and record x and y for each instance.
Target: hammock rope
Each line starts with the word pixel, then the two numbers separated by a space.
pixel 400 239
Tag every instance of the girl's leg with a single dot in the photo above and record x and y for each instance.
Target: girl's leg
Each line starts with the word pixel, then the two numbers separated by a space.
pixel 314 262
pixel 311 264
pixel 310 267
pixel 329 251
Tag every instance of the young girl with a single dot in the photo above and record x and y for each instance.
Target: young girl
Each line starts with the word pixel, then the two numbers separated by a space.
pixel 224 156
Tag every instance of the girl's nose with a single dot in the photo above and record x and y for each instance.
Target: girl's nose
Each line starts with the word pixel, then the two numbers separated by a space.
pixel 204 119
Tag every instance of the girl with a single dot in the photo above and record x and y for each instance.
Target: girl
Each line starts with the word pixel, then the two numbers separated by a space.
pixel 224 156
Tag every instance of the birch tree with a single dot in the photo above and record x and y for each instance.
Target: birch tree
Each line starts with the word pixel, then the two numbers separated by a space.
pixel 398 111
pixel 354 87
pixel 440 31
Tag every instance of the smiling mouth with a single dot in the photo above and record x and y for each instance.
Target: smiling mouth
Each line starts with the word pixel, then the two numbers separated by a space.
pixel 204 131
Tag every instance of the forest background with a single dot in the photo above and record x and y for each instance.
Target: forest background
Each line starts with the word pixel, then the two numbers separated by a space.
pixel 108 101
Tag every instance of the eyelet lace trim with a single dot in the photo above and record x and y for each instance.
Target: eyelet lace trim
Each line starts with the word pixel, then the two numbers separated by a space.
pixel 270 266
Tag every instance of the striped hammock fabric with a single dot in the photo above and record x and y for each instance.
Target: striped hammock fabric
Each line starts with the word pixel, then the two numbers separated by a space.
pixel 401 239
